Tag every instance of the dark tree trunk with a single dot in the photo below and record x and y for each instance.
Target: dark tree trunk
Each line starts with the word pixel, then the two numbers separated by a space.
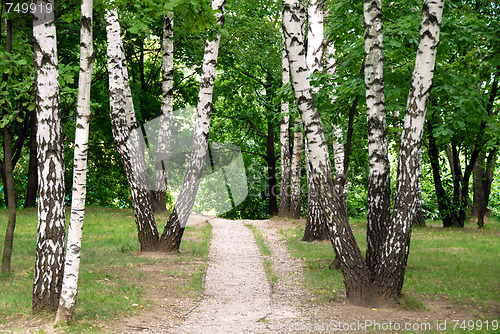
pixel 11 203
pixel 32 187
pixel 483 177
pixel 442 197
pixel 271 169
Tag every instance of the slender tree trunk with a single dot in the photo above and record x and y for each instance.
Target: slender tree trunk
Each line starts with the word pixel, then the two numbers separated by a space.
pixel 315 36
pixel 167 109
pixel 379 182
pixel 339 153
pixel 442 197
pixel 295 201
pixel 32 186
pixel 69 291
pixel 271 170
pixel 174 229
pixel 11 202
pixel 315 220
pixel 51 214
pixel 483 178
pixel 419 219
pixel 285 186
pixel 125 133
pixel 8 173
pixel 390 273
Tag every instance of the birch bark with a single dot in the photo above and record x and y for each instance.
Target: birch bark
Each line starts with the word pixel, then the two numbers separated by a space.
pixel 315 221
pixel 285 186
pixel 69 290
pixel 396 248
pixel 126 135
pixel 174 229
pixel 51 215
pixel 352 263
pixel 295 201
pixel 167 109
pixel 379 190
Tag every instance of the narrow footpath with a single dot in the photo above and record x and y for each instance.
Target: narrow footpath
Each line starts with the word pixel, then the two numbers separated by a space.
pixel 238 296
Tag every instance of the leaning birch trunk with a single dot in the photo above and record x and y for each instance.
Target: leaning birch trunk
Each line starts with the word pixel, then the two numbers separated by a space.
pixel 124 128
pixel 315 228
pixel 284 205
pixel 174 229
pixel 352 264
pixel 51 215
pixel 379 190
pixel 419 218
pixel 295 201
pixel 397 246
pixel 69 290
pixel 167 108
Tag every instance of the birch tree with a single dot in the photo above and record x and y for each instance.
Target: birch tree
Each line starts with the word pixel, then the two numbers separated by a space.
pixel 124 128
pixel 381 284
pixel 298 140
pixel 315 221
pixel 51 215
pixel 284 204
pixel 174 229
pixel 167 109
pixel 379 171
pixel 396 248
pixel 69 290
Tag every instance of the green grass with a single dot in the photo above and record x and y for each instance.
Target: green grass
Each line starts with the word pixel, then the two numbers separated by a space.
pixel 459 264
pixel 266 252
pixel 108 267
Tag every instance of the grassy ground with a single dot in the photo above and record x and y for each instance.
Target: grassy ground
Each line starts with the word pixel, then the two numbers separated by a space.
pixel 266 252
pixel 109 275
pixel 459 264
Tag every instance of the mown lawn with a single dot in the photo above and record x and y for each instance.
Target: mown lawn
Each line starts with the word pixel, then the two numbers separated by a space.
pixel 460 264
pixel 110 258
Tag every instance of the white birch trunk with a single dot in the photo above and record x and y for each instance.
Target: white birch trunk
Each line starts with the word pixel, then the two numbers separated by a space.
pixel 167 109
pixel 338 135
pixel 172 235
pixel 126 134
pixel 315 36
pixel 396 248
pixel 315 222
pixel 285 186
pixel 295 201
pixel 352 262
pixel 379 190
pixel 69 290
pixel 51 215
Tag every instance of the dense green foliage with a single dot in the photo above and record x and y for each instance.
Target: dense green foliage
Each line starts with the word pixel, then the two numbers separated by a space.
pixel 248 88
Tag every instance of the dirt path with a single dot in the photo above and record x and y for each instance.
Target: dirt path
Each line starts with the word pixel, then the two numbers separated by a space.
pixel 238 297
